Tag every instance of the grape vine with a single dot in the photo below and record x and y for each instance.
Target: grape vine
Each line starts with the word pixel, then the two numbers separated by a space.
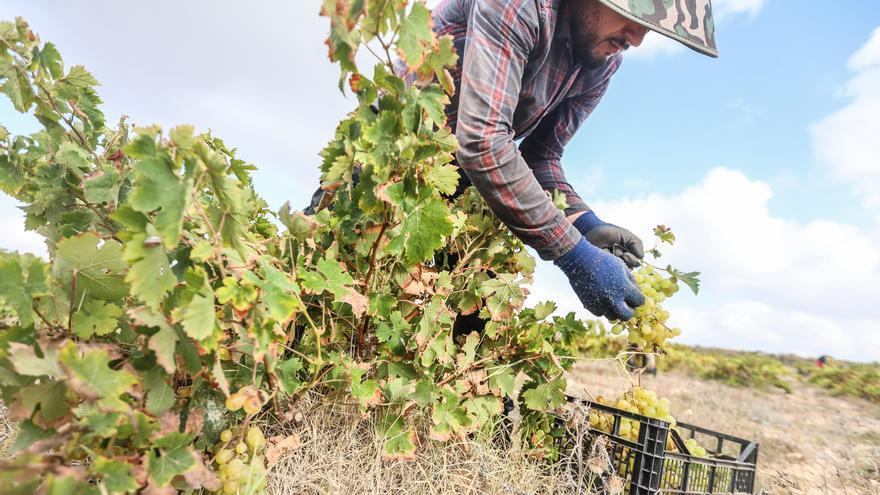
pixel 176 311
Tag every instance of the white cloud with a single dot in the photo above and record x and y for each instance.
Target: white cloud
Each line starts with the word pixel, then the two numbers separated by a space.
pixel 14 237
pixel 847 140
pixel 724 8
pixel 767 281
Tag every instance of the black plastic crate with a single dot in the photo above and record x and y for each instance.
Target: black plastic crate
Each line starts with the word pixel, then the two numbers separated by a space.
pixel 731 469
pixel 648 468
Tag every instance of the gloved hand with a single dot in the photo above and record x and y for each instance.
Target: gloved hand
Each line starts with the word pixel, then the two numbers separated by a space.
pixel 616 240
pixel 601 281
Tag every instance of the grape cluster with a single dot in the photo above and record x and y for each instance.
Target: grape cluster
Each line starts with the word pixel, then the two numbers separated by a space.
pixel 637 401
pixel 238 462
pixel 647 328
pixel 644 402
pixel 248 398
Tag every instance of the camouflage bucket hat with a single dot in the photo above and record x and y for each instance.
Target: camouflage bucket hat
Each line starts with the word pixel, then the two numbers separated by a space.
pixel 686 21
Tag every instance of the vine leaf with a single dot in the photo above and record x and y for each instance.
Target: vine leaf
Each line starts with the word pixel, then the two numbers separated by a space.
pixel 160 395
pixel 150 274
pixel 415 35
pixel 197 317
pixel 95 318
pixel 546 396
pixel 691 279
pixel 26 361
pixel 116 475
pixel 158 187
pixel 92 377
pixel 96 270
pixel 175 457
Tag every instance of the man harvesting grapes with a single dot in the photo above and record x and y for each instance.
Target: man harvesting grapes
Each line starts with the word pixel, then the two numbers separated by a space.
pixel 532 71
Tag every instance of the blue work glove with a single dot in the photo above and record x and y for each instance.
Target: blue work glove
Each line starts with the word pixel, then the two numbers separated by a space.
pixel 601 281
pixel 616 240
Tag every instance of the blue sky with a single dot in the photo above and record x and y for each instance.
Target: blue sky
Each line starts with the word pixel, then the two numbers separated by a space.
pixel 764 161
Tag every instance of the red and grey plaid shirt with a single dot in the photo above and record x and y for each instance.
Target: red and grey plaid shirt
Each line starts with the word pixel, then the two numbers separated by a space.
pixel 517 80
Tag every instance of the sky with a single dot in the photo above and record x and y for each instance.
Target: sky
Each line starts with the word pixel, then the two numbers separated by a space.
pixel 765 162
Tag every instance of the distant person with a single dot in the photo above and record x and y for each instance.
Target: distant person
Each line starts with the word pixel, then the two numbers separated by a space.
pixel 822 361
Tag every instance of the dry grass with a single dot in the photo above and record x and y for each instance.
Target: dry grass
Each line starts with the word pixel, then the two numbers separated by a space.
pixel 810 442
pixel 339 453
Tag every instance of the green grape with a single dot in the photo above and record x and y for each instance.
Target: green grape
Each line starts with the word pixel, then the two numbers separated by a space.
pixel 235 469
pixel 226 436
pixel 224 456
pixel 255 439
pixel 240 448
pixel 230 487
pixel 235 401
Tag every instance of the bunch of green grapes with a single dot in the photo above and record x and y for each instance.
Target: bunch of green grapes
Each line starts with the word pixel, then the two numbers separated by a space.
pixel 647 328
pixel 636 401
pixel 238 461
pixel 695 449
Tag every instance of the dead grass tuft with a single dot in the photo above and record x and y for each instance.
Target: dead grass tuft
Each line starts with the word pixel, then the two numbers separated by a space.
pixel 339 452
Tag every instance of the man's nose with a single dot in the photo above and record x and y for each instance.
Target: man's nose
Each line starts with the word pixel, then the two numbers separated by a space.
pixel 635 33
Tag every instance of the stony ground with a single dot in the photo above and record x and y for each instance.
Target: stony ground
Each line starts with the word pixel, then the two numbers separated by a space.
pixel 810 442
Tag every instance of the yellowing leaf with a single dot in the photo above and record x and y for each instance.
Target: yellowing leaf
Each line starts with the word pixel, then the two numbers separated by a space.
pixel 92 377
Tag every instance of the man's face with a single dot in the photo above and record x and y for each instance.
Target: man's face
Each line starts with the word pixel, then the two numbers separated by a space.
pixel 599 32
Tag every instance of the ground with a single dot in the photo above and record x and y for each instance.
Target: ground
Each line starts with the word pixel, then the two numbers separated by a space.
pixel 810 442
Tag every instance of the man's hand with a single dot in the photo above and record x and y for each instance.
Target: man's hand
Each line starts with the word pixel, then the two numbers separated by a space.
pixel 601 281
pixel 616 240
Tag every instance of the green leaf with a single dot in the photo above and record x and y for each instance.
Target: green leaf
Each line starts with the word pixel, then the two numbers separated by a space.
pixel 150 274
pixel 544 309
pixel 103 187
pixel 503 295
pixel 546 396
pixel 74 158
pixel 115 475
pixel 664 234
pixel 160 395
pixel 448 417
pixel 399 437
pixel 13 291
pixel 26 362
pixel 433 100
pixel 49 59
pixel 278 290
pixel 17 86
pixel 163 342
pixel 468 351
pixel 691 279
pixel 158 187
pixel 424 225
pixel 96 318
pixel 197 318
pixel 242 295
pixel 93 378
pixel 331 276
pixel 80 78
pixel 173 458
pixel 49 396
pixel 415 35
pixel 444 178
pixel 96 271
pixel 501 379
pixel 287 371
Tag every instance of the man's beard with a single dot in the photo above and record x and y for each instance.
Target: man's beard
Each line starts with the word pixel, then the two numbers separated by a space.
pixel 584 22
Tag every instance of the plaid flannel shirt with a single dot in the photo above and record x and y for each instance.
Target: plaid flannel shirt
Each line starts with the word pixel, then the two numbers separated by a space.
pixel 517 80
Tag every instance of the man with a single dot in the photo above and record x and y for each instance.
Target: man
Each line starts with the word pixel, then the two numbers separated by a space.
pixel 534 70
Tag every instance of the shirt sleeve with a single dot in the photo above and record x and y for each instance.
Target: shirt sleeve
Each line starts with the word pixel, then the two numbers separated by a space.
pixel 543 148
pixel 501 34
